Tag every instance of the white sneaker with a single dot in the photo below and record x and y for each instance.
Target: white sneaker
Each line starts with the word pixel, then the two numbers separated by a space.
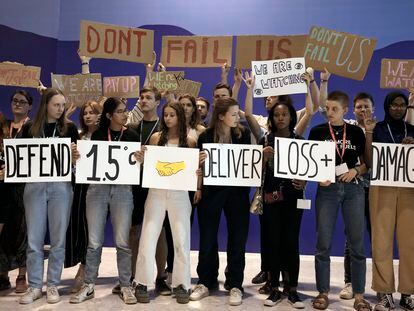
pixel 199 292
pixel 30 295
pixel 347 292
pixel 127 295
pixel 52 294
pixel 86 292
pixel 236 296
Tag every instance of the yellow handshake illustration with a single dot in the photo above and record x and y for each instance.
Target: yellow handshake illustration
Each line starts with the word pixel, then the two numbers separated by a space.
pixel 169 168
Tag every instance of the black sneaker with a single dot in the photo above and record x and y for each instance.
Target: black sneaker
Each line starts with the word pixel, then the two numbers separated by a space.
pixel 162 288
pixel 406 302
pixel 181 294
pixel 266 289
pixel 4 283
pixel 295 301
pixel 260 278
pixel 141 293
pixel 226 286
pixel 386 303
pixel 274 298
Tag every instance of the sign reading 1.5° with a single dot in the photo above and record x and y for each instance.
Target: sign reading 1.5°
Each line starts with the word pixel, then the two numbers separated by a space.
pixel 103 162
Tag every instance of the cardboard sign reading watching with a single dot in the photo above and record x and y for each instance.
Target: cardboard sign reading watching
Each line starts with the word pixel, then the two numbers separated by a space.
pixel 79 88
pixel 99 40
pixel 397 73
pixel 166 80
pixel 258 48
pixel 19 75
pixel 196 51
pixel 343 54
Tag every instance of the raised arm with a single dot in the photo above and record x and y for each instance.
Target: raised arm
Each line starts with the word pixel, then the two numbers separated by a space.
pixel 409 117
pixel 248 109
pixel 323 93
pixel 304 122
pixel 238 77
pixel 314 90
pixel 150 68
pixel 85 63
pixel 369 123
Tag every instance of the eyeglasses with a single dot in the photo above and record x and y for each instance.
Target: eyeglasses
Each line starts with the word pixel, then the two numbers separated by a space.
pixel 15 101
pixel 396 106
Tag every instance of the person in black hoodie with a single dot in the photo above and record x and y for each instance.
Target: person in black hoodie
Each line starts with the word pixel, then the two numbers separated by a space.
pixel 391 209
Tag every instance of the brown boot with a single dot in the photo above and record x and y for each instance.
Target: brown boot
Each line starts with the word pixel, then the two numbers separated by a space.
pixel 21 284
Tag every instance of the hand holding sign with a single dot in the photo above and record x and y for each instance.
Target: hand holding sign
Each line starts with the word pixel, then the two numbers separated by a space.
pixel 2 170
pixel 408 140
pixel 325 75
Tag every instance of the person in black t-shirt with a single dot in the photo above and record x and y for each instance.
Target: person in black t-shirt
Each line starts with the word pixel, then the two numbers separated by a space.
pixel 346 193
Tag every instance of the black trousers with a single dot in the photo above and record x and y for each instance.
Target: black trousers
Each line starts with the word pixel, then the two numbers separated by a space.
pixel 234 201
pixel 281 224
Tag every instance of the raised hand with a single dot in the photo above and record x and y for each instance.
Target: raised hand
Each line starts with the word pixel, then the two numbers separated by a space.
pixel 83 59
pixel 248 79
pixel 325 74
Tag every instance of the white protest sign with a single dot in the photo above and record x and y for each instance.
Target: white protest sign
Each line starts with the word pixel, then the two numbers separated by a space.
pixel 232 165
pixel 304 159
pixel 279 77
pixel 392 165
pixel 170 168
pixel 37 160
pixel 103 162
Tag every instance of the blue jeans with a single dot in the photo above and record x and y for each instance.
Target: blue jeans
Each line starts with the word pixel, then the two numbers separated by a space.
pixel 119 199
pixel 46 204
pixel 350 197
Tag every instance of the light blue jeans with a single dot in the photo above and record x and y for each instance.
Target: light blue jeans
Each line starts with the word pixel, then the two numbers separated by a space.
pixel 119 199
pixel 351 197
pixel 46 204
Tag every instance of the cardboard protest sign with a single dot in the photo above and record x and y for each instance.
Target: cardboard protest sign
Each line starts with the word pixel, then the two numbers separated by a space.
pixel 196 51
pixel 392 165
pixel 279 77
pixel 170 168
pixel 232 165
pixel 166 80
pixel 125 86
pixel 30 160
pixel 252 48
pixel 304 159
pixel 188 87
pixel 99 40
pixel 19 75
pixel 103 162
pixel 79 88
pixel 343 54
pixel 397 73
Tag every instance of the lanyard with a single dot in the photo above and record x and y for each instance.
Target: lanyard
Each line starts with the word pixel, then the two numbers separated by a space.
pixel 392 136
pixel 343 141
pixel 149 136
pixel 21 123
pixel 54 131
pixel 119 138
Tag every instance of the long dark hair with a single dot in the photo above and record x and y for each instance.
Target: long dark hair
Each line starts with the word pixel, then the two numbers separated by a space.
pixel 181 123
pixel 293 117
pixel 221 106
pixel 96 108
pixel 195 116
pixel 40 119
pixel 109 107
pixel 4 133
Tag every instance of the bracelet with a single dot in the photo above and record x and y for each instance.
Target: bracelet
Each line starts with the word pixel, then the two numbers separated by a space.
pixel 368 132
pixel 86 63
pixel 322 80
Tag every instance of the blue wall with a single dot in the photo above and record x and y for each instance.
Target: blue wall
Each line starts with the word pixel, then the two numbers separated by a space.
pixel 46 34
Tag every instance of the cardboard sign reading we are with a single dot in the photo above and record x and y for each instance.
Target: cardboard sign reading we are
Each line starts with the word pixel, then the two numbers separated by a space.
pixel 79 88
pixel 19 75
pixel 258 48
pixel 125 86
pixel 343 54
pixel 397 73
pixel 37 160
pixel 196 51
pixel 99 40
pixel 278 77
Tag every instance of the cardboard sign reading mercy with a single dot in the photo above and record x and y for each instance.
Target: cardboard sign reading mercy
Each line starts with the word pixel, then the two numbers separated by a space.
pixel 304 159
pixel 170 168
pixel 188 87
pixel 30 160
pixel 166 80
pixel 251 48
pixel 127 87
pixel 19 75
pixel 279 77
pixel 116 42
pixel 232 165
pixel 79 88
pixel 343 54
pixel 103 162
pixel 392 165
pixel 196 51
pixel 397 73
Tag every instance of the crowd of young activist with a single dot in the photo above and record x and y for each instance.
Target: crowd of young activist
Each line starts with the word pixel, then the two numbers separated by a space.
pixel 154 226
